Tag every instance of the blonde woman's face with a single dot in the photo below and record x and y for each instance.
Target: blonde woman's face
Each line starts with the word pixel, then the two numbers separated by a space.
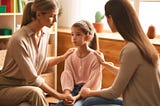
pixel 48 18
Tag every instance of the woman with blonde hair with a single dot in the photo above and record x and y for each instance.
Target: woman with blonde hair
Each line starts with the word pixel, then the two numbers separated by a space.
pixel 26 58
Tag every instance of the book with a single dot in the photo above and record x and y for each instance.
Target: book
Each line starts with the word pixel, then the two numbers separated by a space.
pixel 20 5
pixel 7 3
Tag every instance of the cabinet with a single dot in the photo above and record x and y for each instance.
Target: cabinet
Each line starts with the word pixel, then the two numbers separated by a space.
pixel 51 78
pixel 12 21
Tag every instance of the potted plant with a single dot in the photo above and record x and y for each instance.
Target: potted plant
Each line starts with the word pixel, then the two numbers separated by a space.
pixel 151 33
pixel 98 25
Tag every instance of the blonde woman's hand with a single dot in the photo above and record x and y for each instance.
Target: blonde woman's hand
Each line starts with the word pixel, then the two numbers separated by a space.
pixel 100 56
pixel 68 52
pixel 70 103
pixel 68 100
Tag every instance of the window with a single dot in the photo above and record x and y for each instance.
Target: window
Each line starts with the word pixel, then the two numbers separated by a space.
pixel 148 11
pixel 149 15
pixel 74 10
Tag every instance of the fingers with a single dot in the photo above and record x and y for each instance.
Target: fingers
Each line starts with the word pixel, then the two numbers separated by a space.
pixel 72 49
pixel 98 53
pixel 68 102
pixel 68 52
pixel 111 63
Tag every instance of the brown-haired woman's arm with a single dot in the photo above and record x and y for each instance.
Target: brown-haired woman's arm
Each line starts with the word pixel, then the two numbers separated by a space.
pixel 108 65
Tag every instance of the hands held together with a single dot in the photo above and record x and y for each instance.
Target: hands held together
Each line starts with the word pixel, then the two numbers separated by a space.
pixel 69 100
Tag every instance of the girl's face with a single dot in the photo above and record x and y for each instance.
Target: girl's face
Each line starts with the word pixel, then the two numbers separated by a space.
pixel 78 37
pixel 48 18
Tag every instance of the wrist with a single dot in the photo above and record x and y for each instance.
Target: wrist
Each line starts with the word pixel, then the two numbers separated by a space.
pixel 77 97
pixel 61 57
pixel 60 96
pixel 66 91
pixel 103 62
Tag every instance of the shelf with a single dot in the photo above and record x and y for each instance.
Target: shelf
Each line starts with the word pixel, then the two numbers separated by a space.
pixel 6 14
pixel 18 14
pixel 5 37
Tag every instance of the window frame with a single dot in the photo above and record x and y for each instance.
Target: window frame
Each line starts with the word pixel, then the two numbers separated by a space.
pixel 137 2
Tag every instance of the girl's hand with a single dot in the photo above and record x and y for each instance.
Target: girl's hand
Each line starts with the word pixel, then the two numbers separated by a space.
pixel 69 101
pixel 85 92
pixel 100 56
pixel 65 96
pixel 68 52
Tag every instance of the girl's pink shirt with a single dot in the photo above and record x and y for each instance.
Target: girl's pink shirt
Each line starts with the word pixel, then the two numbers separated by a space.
pixel 86 70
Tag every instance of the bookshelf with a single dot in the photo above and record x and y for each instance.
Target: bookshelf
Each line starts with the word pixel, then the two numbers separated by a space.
pixel 12 20
pixel 12 17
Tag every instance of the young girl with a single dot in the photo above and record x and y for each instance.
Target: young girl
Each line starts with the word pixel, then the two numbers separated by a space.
pixel 138 77
pixel 20 79
pixel 82 68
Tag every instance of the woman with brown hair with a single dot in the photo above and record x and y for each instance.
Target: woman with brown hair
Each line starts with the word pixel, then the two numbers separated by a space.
pixel 138 76
pixel 26 58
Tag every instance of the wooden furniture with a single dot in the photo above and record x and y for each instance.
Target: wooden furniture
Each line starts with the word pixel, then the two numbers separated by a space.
pixel 110 44
pixel 52 101
pixel 63 44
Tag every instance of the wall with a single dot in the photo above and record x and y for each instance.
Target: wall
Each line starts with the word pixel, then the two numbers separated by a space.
pixel 75 10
